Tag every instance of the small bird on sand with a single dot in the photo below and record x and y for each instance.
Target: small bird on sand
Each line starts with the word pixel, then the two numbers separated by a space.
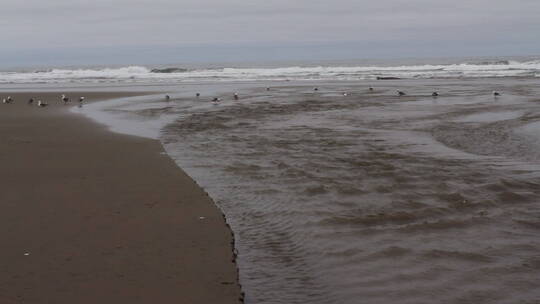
pixel 5 101
pixel 42 104
pixel 65 99
pixel 495 93
pixel 268 88
pixel 198 94
pixel 315 89
pixel 236 97
pixel 9 99
pixel 435 94
pixel 401 93
pixel 345 94
pixel 371 88
pixel 81 99
pixel 167 97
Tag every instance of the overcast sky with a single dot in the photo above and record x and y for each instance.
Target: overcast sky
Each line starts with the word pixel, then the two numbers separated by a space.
pixel 153 31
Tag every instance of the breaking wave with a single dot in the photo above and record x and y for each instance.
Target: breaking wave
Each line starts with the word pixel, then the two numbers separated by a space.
pixel 137 74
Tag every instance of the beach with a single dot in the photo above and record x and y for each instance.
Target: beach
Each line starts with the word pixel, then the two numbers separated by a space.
pixel 277 152
pixel 91 216
pixel 335 190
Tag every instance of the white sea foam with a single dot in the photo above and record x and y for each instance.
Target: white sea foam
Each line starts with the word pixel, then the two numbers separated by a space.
pixel 138 74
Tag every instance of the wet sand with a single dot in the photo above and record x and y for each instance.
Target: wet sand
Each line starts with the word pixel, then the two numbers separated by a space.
pixel 370 196
pixel 90 216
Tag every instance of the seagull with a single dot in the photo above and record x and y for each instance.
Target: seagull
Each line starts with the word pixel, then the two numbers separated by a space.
pixel 65 99
pixel 167 97
pixel 401 93
pixel 42 104
pixel 236 96
pixel 435 94
pixel 495 93
pixel 31 101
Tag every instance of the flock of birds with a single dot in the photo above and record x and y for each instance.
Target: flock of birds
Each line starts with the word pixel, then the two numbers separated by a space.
pixel 216 100
pixel 436 94
pixel 65 99
pixel 40 103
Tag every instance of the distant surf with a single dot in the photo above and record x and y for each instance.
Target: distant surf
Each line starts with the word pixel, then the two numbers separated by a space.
pixel 346 72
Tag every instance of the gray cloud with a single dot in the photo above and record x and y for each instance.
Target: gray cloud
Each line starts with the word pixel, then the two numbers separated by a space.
pixel 70 24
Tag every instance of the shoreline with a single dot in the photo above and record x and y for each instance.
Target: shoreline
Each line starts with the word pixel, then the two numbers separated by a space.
pixel 92 216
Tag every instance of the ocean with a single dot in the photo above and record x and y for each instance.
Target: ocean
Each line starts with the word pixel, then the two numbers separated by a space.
pixel 338 193
pixel 280 71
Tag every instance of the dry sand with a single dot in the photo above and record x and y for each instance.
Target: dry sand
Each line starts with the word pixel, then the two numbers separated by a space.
pixel 90 216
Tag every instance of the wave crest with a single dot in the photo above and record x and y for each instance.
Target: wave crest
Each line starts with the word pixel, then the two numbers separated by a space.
pixel 498 68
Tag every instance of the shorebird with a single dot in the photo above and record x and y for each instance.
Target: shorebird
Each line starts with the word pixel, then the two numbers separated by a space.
pixel 5 101
pixel 371 88
pixel 216 100
pixel 268 88
pixel 345 94
pixel 42 104
pixel 401 93
pixel 9 99
pixel 315 89
pixel 64 98
pixel 198 94
pixel 236 96
pixel 167 97
pixel 435 94
pixel 495 93
pixel 31 101
pixel 81 99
